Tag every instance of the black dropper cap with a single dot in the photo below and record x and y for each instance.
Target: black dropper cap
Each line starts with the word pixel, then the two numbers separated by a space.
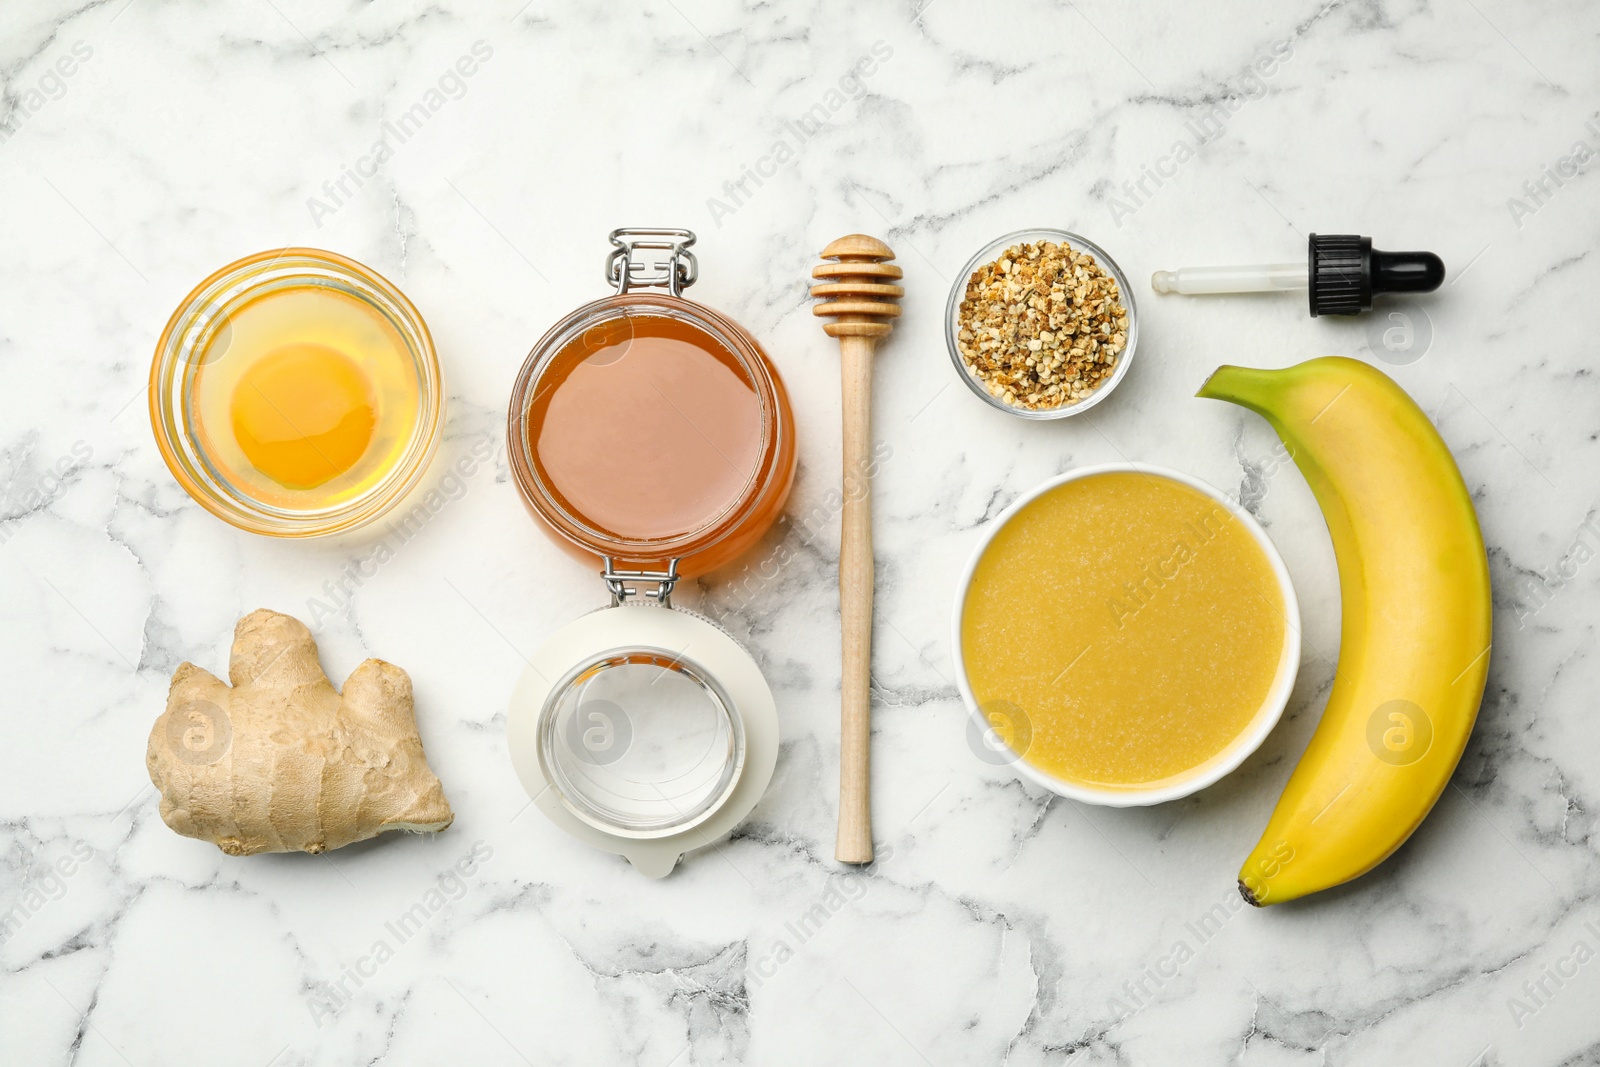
pixel 1344 273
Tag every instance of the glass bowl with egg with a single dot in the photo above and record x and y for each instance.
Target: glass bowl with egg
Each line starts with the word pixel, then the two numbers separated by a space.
pixel 296 393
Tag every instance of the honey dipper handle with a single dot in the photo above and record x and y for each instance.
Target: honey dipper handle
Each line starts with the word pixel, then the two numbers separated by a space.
pixel 855 605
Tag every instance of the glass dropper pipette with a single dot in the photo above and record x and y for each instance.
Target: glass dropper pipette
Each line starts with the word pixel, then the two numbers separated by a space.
pixel 1342 273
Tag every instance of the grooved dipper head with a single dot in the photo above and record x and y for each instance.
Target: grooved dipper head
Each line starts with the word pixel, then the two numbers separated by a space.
pixel 857 289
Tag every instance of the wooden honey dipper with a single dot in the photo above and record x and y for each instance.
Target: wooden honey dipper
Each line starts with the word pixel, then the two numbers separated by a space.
pixel 857 291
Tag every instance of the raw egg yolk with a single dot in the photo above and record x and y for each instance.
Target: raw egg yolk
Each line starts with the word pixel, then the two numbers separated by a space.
pixel 303 414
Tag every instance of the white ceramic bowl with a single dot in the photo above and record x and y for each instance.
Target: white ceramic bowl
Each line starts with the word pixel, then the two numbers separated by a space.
pixel 1223 762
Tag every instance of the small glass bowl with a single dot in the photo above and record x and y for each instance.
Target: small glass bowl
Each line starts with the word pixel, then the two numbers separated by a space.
pixel 203 317
pixel 988 254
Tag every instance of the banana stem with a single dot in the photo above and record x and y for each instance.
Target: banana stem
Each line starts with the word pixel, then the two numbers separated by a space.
pixel 1248 387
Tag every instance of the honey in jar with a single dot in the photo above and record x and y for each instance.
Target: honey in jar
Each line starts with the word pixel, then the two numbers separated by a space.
pixel 652 431
pixel 646 426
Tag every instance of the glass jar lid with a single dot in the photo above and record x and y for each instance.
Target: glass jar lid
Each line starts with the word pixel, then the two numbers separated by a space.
pixel 643 730
pixel 641 742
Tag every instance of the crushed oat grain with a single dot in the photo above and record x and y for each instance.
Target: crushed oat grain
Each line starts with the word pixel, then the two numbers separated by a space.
pixel 1042 326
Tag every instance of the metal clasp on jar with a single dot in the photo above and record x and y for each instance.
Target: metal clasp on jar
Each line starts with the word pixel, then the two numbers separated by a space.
pixel 674 271
pixel 624 584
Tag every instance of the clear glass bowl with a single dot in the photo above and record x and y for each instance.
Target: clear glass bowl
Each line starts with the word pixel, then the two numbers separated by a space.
pixel 990 252
pixel 202 319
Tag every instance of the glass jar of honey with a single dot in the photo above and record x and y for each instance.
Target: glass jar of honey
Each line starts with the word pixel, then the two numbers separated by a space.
pixel 647 429
pixel 650 436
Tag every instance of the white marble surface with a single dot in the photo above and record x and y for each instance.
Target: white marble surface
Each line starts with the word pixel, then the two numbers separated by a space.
pixel 1002 925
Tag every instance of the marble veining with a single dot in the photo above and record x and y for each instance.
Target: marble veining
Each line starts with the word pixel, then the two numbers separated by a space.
pixel 145 143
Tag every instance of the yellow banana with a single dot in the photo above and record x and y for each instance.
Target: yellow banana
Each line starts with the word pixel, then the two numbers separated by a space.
pixel 1414 647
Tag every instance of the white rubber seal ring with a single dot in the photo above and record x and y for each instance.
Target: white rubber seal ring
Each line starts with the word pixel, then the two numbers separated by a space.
pixel 690 636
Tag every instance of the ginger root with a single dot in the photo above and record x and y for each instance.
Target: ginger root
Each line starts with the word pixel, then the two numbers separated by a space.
pixel 280 761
